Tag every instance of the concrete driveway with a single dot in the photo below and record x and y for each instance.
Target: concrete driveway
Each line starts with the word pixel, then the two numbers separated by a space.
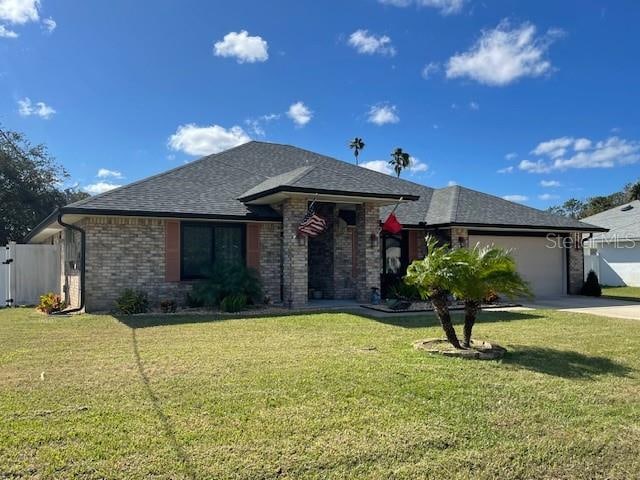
pixel 604 307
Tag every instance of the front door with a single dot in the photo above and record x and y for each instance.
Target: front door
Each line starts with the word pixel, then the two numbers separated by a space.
pixel 394 260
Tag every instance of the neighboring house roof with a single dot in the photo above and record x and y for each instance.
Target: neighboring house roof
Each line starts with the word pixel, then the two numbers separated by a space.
pixel 623 222
pixel 231 184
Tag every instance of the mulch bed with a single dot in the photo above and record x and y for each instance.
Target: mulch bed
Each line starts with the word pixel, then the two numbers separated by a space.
pixel 479 350
pixel 427 307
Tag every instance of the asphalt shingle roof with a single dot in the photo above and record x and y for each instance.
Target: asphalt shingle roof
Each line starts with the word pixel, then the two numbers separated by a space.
pixel 212 186
pixel 623 222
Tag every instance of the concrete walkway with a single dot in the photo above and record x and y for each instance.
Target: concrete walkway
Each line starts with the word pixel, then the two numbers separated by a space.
pixel 604 307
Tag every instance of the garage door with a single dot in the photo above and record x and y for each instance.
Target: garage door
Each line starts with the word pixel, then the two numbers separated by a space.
pixel 541 266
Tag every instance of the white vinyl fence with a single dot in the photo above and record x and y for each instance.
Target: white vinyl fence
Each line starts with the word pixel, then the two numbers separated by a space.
pixel 29 271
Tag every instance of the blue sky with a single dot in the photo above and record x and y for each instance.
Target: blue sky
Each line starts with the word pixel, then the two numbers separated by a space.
pixel 536 101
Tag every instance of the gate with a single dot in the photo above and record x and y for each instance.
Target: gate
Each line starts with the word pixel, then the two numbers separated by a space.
pixel 29 271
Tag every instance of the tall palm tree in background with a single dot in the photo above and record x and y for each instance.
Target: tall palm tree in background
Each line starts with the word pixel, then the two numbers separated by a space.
pixel 633 192
pixel 357 145
pixel 399 160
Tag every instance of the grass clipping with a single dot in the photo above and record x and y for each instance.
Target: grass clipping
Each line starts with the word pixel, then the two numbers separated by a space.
pixel 478 350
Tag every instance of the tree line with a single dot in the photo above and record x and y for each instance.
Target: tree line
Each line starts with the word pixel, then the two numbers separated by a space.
pixel 575 208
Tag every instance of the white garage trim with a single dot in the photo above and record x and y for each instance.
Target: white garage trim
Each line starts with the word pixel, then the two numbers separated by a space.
pixel 540 261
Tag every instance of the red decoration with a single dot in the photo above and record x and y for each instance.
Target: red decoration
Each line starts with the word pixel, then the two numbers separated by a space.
pixel 392 225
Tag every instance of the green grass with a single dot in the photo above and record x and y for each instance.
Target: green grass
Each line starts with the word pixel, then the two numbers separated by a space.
pixel 621 292
pixel 316 396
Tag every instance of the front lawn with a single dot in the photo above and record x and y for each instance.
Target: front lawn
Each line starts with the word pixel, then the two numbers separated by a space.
pixel 632 293
pixel 316 396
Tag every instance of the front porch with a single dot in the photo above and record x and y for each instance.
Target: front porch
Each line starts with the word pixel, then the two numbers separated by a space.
pixel 342 263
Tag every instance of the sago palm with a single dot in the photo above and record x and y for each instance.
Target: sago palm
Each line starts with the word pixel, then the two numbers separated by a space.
pixel 479 272
pixel 434 277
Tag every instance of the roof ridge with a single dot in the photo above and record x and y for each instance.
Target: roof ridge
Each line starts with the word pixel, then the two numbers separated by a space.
pixel 151 177
pixel 339 161
pixel 456 199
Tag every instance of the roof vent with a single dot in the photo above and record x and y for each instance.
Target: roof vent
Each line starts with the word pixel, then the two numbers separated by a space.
pixel 626 208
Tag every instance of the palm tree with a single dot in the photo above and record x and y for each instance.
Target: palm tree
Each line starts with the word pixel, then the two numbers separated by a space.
pixel 357 145
pixel 399 160
pixel 434 277
pixel 633 192
pixel 479 272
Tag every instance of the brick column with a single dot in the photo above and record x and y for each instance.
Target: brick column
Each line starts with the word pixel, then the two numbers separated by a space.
pixel 459 238
pixel 575 267
pixel 295 253
pixel 368 252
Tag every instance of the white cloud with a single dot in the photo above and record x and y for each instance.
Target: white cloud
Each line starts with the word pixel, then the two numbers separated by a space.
pixel 452 183
pixel 49 24
pixel 566 152
pixel 105 173
pixel 430 69
pixel 257 125
pixel 445 7
pixel 6 33
pixel 474 105
pixel 582 144
pixel 554 148
pixel 243 47
pixel 511 156
pixel 534 167
pixel 100 187
pixel 382 114
pixel 195 140
pixel 550 183
pixel 300 114
pixel 415 166
pixel 370 44
pixel 548 196
pixel 516 198
pixel 504 54
pixel 506 170
pixel 19 11
pixel 26 109
pixel 381 166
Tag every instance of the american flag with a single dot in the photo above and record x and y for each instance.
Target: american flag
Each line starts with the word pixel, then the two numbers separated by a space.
pixel 312 224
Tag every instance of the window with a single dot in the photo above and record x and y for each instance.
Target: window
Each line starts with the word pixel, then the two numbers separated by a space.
pixel 205 244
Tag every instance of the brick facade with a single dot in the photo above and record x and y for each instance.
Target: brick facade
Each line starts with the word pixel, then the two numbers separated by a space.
pixel 368 259
pixel 271 260
pixel 575 264
pixel 295 253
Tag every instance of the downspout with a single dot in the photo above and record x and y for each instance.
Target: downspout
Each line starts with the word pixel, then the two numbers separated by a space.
pixel 82 263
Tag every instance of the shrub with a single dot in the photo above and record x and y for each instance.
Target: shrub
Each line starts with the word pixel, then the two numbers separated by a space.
pixel 592 287
pixel 225 280
pixel 132 301
pixel 192 301
pixel 233 303
pixel 402 291
pixel 168 306
pixel 50 302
